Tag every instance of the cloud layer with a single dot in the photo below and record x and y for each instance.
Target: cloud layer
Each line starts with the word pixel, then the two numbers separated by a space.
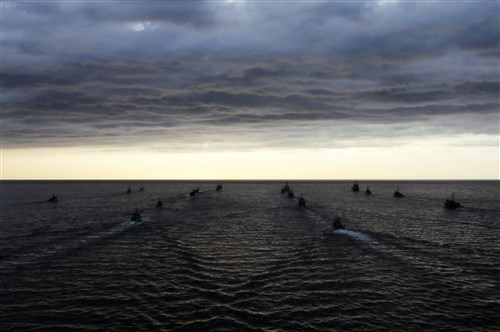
pixel 247 75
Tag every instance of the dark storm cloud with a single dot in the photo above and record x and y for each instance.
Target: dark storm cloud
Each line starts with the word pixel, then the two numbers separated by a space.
pixel 487 90
pixel 401 32
pixel 87 73
pixel 347 10
pixel 20 79
pixel 195 13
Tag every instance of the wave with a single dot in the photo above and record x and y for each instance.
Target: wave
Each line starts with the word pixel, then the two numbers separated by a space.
pixel 60 246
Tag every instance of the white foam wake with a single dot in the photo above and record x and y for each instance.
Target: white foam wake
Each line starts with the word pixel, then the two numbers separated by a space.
pixel 356 235
pixel 124 226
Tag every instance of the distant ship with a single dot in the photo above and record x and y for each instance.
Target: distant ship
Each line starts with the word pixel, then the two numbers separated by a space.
pixel 337 224
pixel 302 201
pixel 136 216
pixel 397 193
pixel 368 191
pixel 53 199
pixel 129 191
pixel 286 188
pixel 451 203
pixel 194 192
pixel 219 187
pixel 159 204
pixel 355 187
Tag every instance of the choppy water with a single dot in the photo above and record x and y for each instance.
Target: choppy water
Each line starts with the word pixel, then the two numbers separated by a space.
pixel 247 258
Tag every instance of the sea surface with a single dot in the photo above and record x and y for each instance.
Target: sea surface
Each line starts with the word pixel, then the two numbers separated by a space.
pixel 247 258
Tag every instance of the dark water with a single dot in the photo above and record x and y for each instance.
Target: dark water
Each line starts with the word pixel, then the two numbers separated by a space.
pixel 247 258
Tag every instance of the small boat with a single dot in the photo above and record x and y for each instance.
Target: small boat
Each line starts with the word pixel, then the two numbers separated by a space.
pixel 53 199
pixel 129 191
pixel 337 224
pixel 285 188
pixel 219 187
pixel 141 189
pixel 355 187
pixel 397 193
pixel 451 203
pixel 368 191
pixel 136 216
pixel 290 194
pixel 302 201
pixel 193 193
pixel 159 204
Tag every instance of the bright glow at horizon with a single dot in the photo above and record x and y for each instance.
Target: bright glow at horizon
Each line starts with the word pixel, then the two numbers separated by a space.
pixel 407 162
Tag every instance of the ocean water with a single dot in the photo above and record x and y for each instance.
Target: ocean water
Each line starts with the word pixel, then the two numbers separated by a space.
pixel 247 258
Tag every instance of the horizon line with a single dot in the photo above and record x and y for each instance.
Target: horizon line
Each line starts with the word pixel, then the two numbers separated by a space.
pixel 283 179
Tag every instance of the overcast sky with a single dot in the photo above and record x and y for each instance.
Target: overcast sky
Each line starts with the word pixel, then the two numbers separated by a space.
pixel 224 76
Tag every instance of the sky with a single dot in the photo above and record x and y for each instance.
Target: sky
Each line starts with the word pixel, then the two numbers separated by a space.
pixel 250 89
